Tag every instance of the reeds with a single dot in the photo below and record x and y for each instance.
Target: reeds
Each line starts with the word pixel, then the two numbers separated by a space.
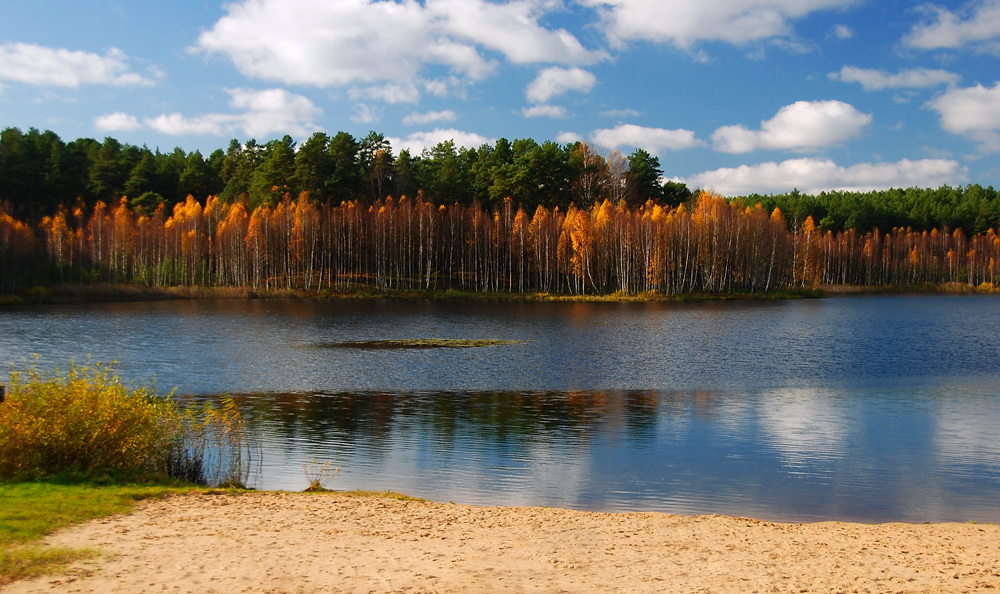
pixel 84 419
pixel 319 475
pixel 214 445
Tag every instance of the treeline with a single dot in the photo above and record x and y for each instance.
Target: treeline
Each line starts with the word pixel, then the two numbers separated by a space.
pixel 712 246
pixel 973 208
pixel 40 173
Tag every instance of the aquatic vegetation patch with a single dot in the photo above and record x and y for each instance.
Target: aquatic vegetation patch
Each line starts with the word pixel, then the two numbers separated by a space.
pixel 419 343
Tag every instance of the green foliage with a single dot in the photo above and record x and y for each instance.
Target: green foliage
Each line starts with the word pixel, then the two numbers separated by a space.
pixel 644 178
pixel 147 202
pixel 270 180
pixel 39 173
pixel 974 209
pixel 86 420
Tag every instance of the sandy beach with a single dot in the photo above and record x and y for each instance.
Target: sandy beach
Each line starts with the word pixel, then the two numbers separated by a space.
pixel 298 542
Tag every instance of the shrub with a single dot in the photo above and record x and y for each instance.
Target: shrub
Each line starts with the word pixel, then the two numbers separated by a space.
pixel 86 420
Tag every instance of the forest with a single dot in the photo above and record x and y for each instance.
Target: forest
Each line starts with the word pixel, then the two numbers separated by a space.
pixel 341 214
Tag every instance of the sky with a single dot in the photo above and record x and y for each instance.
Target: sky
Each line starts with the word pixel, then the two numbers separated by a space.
pixel 736 96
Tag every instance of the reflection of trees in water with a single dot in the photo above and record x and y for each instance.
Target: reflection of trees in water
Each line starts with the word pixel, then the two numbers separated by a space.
pixel 507 421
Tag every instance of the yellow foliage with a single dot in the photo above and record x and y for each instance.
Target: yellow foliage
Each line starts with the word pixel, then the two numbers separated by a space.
pixel 82 419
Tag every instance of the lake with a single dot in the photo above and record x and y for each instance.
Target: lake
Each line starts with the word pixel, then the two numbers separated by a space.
pixel 864 408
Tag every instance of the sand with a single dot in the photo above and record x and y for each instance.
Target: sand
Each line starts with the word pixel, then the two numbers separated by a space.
pixel 298 542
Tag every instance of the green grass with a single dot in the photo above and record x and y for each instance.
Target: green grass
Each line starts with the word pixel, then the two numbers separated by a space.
pixel 30 511
pixel 361 494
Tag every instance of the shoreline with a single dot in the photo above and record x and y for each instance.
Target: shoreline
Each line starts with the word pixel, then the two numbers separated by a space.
pixel 65 294
pixel 319 542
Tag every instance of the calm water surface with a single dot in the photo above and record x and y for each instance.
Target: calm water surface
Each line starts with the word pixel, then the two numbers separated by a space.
pixel 876 409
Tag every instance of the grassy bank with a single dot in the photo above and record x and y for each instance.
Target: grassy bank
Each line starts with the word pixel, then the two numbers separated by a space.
pixel 916 289
pixel 107 293
pixel 78 444
pixel 31 510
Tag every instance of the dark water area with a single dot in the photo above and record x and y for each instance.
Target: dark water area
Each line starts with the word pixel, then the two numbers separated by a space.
pixel 875 409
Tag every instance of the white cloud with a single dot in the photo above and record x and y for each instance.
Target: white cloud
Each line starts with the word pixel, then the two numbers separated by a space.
pixel 394 92
pixel 876 80
pixel 842 32
pixel 415 119
pixel 43 66
pixel 621 113
pixel 544 111
pixel 973 112
pixel 304 42
pixel 364 41
pixel 261 113
pixel 812 176
pixel 977 25
pixel 568 137
pixel 684 23
pixel 654 140
pixel 441 88
pixel 555 81
pixel 175 124
pixel 366 114
pixel 117 122
pixel 418 141
pixel 512 29
pixel 803 125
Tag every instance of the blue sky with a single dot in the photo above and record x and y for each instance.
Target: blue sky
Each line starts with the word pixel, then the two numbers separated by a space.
pixel 740 96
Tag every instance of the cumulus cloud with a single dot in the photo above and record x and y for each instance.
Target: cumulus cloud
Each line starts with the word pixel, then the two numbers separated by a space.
pixel 621 113
pixel 176 124
pixel 842 32
pixel 973 112
pixel 976 25
pixel 366 114
pixel 394 92
pixel 683 23
pixel 555 81
pixel 654 140
pixel 117 122
pixel 568 137
pixel 443 87
pixel 876 80
pixel 417 119
pixel 544 111
pixel 319 43
pixel 260 113
pixel 417 142
pixel 44 66
pixel 814 175
pixel 513 29
pixel 803 125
